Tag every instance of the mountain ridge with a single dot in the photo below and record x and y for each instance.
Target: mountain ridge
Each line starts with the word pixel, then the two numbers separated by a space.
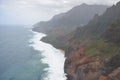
pixel 93 50
pixel 77 16
pixel 61 26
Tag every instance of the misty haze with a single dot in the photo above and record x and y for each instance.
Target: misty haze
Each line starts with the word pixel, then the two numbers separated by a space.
pixel 59 40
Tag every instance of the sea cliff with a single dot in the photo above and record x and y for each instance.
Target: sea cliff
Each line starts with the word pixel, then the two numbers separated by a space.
pixel 92 51
pixel 79 66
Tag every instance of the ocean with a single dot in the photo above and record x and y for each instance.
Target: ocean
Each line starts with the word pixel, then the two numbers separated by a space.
pixel 24 57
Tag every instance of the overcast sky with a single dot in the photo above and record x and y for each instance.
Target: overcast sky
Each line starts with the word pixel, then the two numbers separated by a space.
pixel 32 11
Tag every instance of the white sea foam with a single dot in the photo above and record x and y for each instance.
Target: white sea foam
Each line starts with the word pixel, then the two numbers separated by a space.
pixel 51 56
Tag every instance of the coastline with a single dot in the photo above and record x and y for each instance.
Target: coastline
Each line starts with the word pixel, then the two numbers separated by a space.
pixel 94 46
pixel 53 57
pixel 62 50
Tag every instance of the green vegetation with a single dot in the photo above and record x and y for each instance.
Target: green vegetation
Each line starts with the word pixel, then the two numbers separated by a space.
pixel 102 48
pixel 108 44
pixel 113 33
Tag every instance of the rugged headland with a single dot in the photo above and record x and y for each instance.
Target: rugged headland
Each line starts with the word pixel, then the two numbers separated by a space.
pixel 92 49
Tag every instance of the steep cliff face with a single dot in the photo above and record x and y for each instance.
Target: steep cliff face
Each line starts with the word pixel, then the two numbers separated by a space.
pixel 100 23
pixel 95 59
pixel 97 53
pixel 79 66
pixel 92 51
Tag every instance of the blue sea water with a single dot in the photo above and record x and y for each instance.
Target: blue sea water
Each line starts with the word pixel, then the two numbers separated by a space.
pixel 24 57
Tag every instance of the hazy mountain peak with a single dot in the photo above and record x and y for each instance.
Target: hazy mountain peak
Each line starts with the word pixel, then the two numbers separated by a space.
pixel 118 3
pixel 77 16
pixel 84 4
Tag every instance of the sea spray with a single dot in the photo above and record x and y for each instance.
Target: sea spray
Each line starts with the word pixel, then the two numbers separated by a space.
pixel 53 57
